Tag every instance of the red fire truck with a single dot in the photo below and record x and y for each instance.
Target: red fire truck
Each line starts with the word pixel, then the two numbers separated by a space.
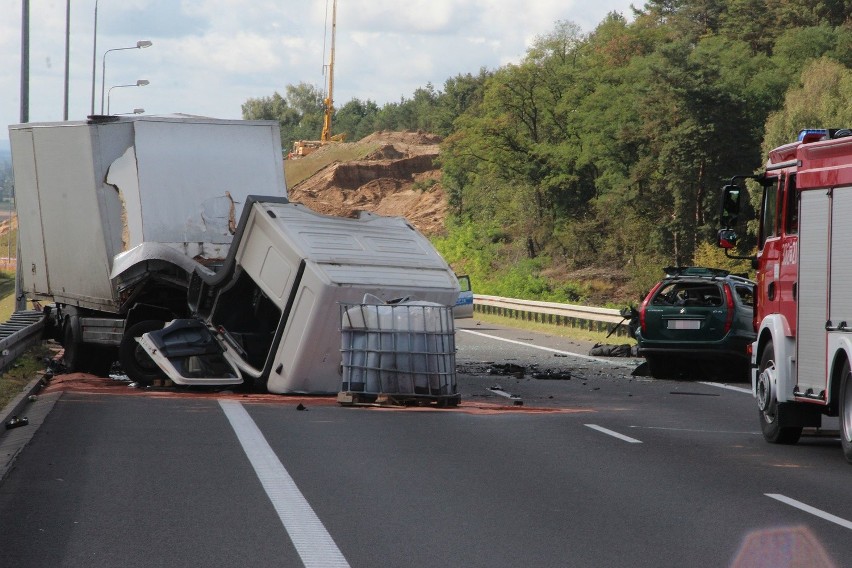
pixel 803 299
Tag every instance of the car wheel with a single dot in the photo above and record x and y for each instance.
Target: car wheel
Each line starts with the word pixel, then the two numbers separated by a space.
pixel 846 411
pixel 135 361
pixel 770 410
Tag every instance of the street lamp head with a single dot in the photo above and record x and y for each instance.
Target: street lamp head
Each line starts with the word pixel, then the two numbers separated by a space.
pixel 143 43
pixel 142 82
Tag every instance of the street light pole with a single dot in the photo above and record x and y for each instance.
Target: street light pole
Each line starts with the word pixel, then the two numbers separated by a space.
pixel 94 56
pixel 67 55
pixel 139 83
pixel 139 45
pixel 25 61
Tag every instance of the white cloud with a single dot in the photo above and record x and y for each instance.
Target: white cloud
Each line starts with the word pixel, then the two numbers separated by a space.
pixel 209 56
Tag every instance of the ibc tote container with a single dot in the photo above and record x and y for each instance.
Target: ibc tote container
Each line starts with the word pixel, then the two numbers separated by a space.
pixel 405 351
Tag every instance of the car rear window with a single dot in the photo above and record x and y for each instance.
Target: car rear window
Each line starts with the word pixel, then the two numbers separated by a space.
pixel 688 294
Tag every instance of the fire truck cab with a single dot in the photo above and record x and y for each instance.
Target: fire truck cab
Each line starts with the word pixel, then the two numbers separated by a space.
pixel 803 298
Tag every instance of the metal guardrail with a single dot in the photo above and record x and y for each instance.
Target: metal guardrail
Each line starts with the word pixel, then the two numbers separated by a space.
pixel 18 333
pixel 584 317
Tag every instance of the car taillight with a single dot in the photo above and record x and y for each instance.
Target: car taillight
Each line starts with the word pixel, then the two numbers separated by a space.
pixel 645 302
pixel 729 300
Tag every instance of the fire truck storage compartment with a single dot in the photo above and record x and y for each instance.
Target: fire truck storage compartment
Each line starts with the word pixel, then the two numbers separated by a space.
pixel 404 348
pixel 823 249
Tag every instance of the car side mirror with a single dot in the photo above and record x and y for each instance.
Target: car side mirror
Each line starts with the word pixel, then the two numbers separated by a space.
pixel 727 239
pixel 729 210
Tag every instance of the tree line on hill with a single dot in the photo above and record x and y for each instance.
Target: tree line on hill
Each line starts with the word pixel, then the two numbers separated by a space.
pixel 607 150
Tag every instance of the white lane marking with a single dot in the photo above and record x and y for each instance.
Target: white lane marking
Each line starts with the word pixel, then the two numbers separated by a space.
pixel 559 351
pixel 812 510
pixel 613 434
pixel 724 386
pixel 693 430
pixel 312 541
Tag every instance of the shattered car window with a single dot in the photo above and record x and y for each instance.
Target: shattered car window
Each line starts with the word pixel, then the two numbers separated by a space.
pixel 688 294
pixel 746 294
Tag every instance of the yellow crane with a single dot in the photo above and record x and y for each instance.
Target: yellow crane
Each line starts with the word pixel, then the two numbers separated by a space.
pixel 302 148
pixel 325 137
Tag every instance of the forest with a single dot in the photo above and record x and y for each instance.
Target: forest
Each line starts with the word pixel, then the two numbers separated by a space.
pixel 578 173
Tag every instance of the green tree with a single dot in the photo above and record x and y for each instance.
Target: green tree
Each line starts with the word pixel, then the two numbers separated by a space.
pixel 822 98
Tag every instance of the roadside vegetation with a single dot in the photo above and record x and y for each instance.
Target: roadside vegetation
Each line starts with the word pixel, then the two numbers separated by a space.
pixel 579 172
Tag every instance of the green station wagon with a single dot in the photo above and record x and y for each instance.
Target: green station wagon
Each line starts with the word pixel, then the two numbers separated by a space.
pixel 697 322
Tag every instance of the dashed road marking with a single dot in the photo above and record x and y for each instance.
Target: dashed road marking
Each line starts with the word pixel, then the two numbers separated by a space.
pixel 812 510
pixel 614 434
pixel 728 387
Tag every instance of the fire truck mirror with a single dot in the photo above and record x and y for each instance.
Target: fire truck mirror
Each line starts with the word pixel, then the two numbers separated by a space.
pixel 730 209
pixel 727 238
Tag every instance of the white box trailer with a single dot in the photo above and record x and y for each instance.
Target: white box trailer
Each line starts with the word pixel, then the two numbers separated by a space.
pixel 115 213
pixel 272 313
pixel 102 188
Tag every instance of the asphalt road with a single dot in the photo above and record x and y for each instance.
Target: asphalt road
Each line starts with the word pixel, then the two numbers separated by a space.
pixel 595 468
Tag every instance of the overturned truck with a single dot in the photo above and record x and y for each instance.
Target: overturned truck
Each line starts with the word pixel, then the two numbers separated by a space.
pixel 127 224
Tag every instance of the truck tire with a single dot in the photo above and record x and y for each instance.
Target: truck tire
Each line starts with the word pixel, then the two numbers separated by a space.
pixel 133 359
pixel 77 356
pixel 846 411
pixel 771 412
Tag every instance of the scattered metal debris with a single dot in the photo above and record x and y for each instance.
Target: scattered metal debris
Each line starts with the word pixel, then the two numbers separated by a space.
pixel 16 422
pixel 552 375
pixel 507 369
pixel 498 390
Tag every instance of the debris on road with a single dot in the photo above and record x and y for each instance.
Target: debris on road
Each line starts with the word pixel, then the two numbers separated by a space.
pixel 498 390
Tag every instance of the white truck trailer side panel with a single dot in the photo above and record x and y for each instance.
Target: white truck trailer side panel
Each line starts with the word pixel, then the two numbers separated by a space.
pixel 812 290
pixel 222 162
pixel 72 241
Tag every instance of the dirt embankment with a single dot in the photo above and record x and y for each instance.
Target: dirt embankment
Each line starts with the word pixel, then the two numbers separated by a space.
pixel 399 178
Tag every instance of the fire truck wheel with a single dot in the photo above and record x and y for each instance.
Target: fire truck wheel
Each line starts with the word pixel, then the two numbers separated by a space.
pixel 772 413
pixel 134 360
pixel 846 411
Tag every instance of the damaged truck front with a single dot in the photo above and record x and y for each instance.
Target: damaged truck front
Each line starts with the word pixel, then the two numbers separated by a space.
pixel 127 224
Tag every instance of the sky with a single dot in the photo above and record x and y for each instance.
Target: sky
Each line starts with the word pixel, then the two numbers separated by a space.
pixel 209 56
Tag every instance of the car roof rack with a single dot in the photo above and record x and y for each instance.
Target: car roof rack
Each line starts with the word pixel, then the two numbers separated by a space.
pixel 695 271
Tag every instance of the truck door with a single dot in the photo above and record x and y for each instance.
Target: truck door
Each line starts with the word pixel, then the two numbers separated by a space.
pixel 33 265
pixel 789 265
pixel 770 245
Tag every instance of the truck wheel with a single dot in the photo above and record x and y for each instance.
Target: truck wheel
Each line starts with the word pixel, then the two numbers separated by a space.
pixel 846 411
pixel 77 354
pixel 134 360
pixel 770 410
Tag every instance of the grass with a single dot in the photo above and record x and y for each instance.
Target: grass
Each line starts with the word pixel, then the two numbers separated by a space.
pixel 25 367
pixel 297 171
pixel 22 371
pixel 575 333
pixel 7 294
